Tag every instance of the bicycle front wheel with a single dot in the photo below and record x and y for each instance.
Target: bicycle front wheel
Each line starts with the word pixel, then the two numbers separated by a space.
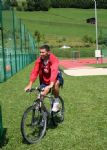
pixel 33 124
pixel 58 117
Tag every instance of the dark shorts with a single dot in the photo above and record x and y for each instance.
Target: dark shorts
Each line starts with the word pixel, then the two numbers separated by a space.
pixel 59 77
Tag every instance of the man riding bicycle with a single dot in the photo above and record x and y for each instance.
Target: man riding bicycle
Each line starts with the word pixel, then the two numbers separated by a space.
pixel 46 66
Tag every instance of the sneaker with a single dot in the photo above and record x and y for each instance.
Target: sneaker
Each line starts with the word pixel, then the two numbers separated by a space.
pixel 55 107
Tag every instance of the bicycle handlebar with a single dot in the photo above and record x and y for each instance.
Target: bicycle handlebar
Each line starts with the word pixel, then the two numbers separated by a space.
pixel 39 90
pixel 30 90
pixel 35 89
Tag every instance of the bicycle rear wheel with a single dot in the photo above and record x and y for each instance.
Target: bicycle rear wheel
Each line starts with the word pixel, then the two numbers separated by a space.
pixel 58 117
pixel 33 124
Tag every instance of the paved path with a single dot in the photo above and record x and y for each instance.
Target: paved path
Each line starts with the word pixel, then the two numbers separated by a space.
pixel 80 67
pixel 86 71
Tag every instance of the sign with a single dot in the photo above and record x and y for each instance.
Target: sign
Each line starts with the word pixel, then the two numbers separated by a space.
pixel 97 53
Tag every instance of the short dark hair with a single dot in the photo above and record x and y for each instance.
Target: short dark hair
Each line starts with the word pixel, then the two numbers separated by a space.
pixel 46 47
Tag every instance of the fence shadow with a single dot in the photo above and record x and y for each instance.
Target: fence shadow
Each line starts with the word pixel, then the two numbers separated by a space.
pixel 4 140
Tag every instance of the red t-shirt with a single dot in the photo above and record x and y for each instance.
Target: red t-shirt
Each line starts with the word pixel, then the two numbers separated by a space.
pixel 47 72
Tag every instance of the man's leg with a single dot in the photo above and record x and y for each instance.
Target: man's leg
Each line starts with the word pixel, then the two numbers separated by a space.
pixel 55 91
pixel 46 90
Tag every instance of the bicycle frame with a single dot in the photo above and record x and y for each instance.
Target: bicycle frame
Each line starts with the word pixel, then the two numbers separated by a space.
pixel 40 99
pixel 35 118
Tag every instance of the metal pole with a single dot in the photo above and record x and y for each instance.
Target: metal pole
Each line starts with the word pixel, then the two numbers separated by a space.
pixel 2 38
pixel 96 25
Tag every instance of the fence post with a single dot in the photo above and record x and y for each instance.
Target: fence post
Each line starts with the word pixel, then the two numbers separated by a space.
pixel 21 60
pixel 14 38
pixel 11 64
pixel 75 55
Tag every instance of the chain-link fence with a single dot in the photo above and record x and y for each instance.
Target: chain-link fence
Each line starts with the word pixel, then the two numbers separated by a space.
pixel 17 46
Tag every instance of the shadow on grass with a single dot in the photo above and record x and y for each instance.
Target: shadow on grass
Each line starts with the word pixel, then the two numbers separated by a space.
pixel 4 140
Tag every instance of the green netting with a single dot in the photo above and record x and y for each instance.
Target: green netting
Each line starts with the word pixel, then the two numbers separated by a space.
pixel 0 13
pixel 104 55
pixel 17 46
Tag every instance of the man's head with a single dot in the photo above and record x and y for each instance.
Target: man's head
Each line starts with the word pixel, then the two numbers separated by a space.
pixel 44 51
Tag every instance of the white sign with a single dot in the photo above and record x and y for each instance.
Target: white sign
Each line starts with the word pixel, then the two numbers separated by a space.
pixel 97 53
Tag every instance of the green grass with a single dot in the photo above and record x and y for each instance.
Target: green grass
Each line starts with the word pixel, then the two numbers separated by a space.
pixel 59 27
pixel 85 125
pixel 64 22
pixel 99 65
pixel 66 26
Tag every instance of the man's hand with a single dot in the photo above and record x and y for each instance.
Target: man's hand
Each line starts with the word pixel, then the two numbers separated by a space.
pixel 28 87
pixel 46 90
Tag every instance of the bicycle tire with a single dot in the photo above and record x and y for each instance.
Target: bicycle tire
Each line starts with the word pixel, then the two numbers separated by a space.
pixel 58 117
pixel 37 131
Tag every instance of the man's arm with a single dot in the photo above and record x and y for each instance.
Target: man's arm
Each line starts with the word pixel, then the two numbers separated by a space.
pixel 54 69
pixel 33 75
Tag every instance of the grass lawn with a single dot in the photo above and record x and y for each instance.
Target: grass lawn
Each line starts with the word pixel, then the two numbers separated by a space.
pixel 85 125
pixel 99 65
pixel 64 23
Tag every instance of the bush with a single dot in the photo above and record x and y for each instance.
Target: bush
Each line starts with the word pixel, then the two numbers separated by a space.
pixel 102 40
pixel 87 40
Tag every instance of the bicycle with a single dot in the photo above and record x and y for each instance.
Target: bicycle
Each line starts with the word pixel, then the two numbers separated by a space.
pixel 35 118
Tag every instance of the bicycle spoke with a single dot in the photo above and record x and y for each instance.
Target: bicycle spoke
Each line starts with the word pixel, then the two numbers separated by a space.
pixel 32 130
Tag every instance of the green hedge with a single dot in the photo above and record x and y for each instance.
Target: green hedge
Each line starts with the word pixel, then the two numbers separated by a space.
pixel 68 53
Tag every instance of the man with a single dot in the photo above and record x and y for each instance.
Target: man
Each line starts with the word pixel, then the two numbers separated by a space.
pixel 46 66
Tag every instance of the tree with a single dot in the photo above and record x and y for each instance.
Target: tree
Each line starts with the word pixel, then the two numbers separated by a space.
pixel 37 36
pixel 30 5
pixel 45 5
pixel 24 6
pixel 14 3
pixel 38 5
pixel 6 4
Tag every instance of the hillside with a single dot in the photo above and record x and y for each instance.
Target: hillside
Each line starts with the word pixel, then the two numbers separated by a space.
pixel 64 25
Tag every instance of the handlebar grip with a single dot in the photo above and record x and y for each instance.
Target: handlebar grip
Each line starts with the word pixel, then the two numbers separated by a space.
pixel 34 89
pixel 30 90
